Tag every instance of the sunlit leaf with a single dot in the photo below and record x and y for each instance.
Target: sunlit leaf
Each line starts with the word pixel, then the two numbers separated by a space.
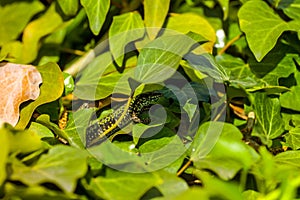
pixel 68 83
pixel 217 187
pixel 289 157
pixel 3 154
pixel 12 25
pixel 76 125
pixel 250 195
pixel 96 12
pixel 240 72
pixel 101 78
pixel 158 153
pixel 11 51
pixel 293 138
pixel 115 185
pixel 263 30
pixel 125 28
pixel 160 58
pixel 193 193
pixel 36 192
pixel 58 167
pixel 69 7
pixel 40 130
pixel 190 109
pixel 291 99
pixel 72 138
pixel 139 129
pixel 191 22
pixel 17 144
pixel 217 143
pixel 172 185
pixel 36 30
pixel 51 89
pixel 206 64
pixel 155 14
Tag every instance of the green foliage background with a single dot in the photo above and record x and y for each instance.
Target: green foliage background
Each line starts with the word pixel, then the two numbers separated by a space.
pixel 253 50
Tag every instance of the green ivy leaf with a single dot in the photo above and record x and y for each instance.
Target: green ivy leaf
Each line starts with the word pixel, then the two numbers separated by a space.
pixel 42 131
pixel 139 129
pixel 291 120
pixel 38 29
pixel 291 99
pixel 193 193
pixel 269 122
pixel 158 118
pixel 217 187
pixel 190 22
pixel 96 12
pixel 36 192
pixel 12 25
pixel 160 58
pixel 158 153
pixel 3 154
pixel 290 8
pixel 51 89
pixel 69 7
pixel 17 144
pixel 11 51
pixel 114 156
pixel 206 64
pixel 58 167
pixel 291 158
pixel 124 29
pixel 69 135
pixel 278 63
pixel 155 14
pixel 76 125
pixel 190 109
pixel 172 185
pixel 273 171
pixel 68 83
pixel 101 78
pixel 216 143
pixel 251 195
pixel 240 72
pixel 262 30
pixel 120 185
pixel 293 138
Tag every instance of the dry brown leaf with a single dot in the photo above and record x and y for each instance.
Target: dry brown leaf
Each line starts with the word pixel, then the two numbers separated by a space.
pixel 18 83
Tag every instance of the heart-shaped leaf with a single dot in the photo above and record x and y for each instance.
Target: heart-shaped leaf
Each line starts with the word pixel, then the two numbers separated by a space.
pixel 96 13
pixel 262 29
pixel 155 14
pixel 124 29
pixel 63 165
pixel 11 25
pixel 269 123
pixel 51 89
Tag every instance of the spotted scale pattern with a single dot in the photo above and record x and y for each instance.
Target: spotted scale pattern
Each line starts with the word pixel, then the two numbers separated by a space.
pixel 97 132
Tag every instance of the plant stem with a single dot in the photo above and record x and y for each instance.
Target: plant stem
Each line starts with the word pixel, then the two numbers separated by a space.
pixel 73 51
pixel 184 168
pixel 233 40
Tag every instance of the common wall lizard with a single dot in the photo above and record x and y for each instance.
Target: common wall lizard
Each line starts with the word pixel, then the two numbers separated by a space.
pixel 108 126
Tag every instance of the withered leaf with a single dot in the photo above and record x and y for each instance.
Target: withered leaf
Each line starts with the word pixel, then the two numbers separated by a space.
pixel 18 83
